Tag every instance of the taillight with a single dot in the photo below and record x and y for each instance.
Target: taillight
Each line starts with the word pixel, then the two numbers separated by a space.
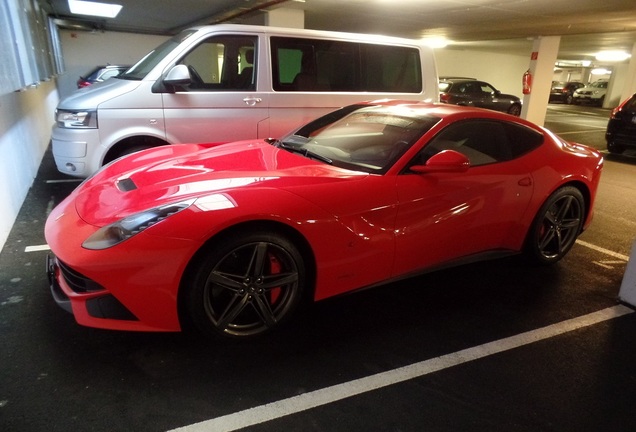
pixel 444 97
pixel 614 112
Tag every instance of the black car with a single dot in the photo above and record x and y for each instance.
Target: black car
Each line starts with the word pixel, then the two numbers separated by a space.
pixel 101 73
pixel 472 92
pixel 621 128
pixel 562 91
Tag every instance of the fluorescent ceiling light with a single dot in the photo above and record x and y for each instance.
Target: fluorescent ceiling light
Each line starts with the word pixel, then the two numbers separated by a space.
pixel 612 56
pixel 435 42
pixel 106 10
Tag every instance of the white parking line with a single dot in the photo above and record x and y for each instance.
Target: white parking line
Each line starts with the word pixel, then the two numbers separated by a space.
pixel 603 250
pixel 65 181
pixel 581 131
pixel 37 248
pixel 306 401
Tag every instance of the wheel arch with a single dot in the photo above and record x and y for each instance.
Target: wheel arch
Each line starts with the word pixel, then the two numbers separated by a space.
pixel 269 226
pixel 131 142
pixel 585 191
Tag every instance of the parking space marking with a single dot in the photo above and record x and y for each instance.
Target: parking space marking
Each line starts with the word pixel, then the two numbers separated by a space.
pixel 603 250
pixel 37 248
pixel 581 131
pixel 306 401
pixel 64 181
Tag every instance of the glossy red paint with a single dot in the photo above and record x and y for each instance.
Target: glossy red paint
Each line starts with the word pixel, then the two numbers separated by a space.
pixel 357 228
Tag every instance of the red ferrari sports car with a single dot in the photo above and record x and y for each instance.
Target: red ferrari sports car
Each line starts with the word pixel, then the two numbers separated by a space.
pixel 232 238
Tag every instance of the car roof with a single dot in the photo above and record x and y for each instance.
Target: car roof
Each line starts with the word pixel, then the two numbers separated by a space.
pixel 443 110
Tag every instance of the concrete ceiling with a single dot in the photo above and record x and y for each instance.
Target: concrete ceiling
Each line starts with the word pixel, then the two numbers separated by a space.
pixel 585 26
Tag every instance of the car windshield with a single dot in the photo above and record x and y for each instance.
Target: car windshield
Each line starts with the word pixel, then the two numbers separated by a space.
pixel 363 138
pixel 150 60
pixel 599 84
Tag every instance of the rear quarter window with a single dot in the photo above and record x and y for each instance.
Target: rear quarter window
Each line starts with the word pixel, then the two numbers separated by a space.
pixel 300 64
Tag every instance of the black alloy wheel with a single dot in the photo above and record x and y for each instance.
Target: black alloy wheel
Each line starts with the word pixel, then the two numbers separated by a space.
pixel 556 226
pixel 246 285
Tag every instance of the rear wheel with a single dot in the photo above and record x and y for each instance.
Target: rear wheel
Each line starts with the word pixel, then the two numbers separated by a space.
pixel 246 285
pixel 515 110
pixel 556 226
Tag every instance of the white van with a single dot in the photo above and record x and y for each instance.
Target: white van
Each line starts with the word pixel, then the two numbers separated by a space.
pixel 231 82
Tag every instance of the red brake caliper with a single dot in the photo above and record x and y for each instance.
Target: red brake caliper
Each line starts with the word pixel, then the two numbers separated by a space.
pixel 274 268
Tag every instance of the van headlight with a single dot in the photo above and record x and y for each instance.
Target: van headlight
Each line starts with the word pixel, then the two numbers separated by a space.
pixel 84 119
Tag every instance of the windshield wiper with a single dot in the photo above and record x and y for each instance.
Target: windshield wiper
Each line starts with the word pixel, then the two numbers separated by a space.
pixel 303 151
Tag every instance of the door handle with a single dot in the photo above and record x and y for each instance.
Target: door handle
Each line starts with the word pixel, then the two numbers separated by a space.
pixel 251 101
pixel 526 181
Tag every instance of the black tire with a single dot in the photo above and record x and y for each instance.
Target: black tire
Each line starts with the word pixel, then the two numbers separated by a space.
pixel 613 148
pixel 515 110
pixel 556 226
pixel 568 99
pixel 245 285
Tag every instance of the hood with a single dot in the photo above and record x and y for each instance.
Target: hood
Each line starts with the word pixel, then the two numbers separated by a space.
pixel 180 172
pixel 90 97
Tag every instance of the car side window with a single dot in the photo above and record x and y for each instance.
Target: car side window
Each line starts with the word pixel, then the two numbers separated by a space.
pixel 486 88
pixel 222 63
pixel 481 141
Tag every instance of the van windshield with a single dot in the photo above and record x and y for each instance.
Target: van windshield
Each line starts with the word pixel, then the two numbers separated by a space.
pixel 150 60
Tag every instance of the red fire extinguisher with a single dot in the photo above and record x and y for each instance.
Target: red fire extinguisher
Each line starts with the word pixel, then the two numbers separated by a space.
pixel 527 82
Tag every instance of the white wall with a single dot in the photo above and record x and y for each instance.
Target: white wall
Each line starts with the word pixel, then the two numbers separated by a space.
pixel 25 130
pixel 503 71
pixel 83 50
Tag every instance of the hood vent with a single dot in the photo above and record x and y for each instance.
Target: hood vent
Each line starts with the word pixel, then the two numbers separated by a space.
pixel 126 185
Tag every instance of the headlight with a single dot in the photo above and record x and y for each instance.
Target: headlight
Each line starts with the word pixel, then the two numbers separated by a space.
pixel 76 119
pixel 127 227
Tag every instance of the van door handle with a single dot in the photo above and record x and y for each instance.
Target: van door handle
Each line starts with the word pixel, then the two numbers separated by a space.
pixel 252 101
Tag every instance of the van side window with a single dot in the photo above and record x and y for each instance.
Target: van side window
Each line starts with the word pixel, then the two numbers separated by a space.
pixel 323 65
pixel 481 141
pixel 222 63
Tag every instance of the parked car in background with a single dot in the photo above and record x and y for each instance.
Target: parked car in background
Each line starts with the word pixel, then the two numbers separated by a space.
pixel 206 85
pixel 592 93
pixel 472 92
pixel 232 238
pixel 563 91
pixel 621 127
pixel 101 73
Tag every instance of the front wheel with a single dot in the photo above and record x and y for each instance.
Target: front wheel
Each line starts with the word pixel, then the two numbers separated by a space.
pixel 613 148
pixel 245 285
pixel 556 226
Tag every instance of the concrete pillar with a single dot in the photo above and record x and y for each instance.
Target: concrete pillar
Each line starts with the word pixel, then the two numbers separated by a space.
pixel 542 60
pixel 630 78
pixel 627 293
pixel 283 17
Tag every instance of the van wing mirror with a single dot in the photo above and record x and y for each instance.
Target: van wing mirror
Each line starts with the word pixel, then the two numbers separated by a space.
pixel 446 161
pixel 179 75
